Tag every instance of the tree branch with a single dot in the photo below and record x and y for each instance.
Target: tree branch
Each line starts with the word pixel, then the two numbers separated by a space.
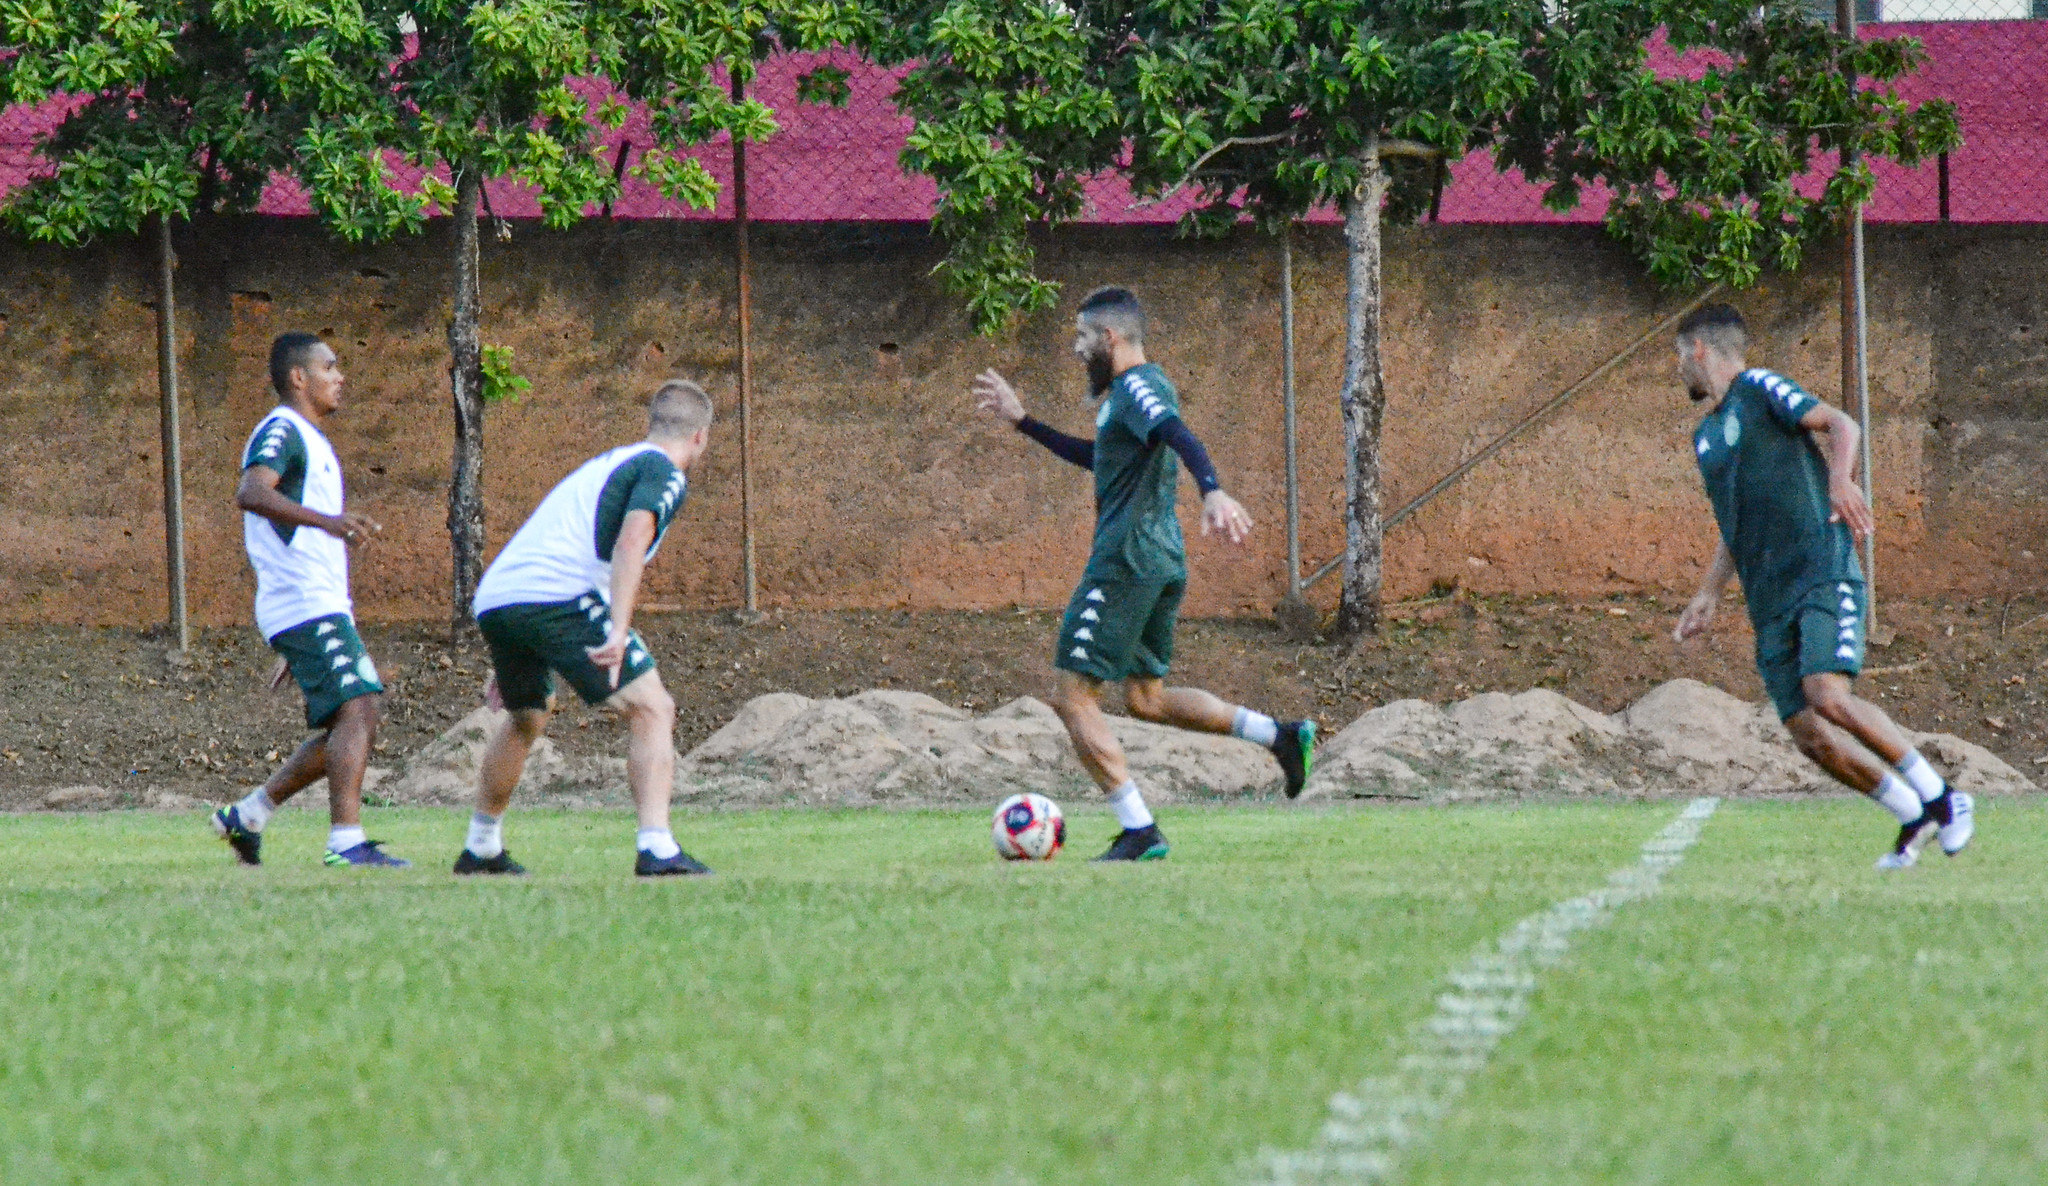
pixel 1401 148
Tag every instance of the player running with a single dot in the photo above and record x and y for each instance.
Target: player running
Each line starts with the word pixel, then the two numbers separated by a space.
pixel 560 597
pixel 1119 625
pixel 1780 470
pixel 297 534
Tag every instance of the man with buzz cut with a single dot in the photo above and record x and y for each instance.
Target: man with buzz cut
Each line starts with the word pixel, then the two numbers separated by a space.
pixel 560 599
pixel 1780 471
pixel 297 532
pixel 1119 624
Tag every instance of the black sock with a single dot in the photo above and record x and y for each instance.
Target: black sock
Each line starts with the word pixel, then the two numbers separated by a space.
pixel 1942 808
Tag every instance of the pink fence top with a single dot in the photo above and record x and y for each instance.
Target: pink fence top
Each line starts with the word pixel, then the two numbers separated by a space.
pixel 832 164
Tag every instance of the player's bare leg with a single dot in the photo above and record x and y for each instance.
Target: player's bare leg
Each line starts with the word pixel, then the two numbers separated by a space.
pixel 504 760
pixel 1078 701
pixel 1856 742
pixel 340 754
pixel 1292 742
pixel 349 741
pixel 1183 708
pixel 651 766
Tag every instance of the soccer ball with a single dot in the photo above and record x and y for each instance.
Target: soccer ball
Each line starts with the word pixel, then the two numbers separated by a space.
pixel 1029 828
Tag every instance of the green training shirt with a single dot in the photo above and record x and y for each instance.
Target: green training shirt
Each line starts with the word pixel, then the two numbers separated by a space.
pixel 1137 534
pixel 1769 486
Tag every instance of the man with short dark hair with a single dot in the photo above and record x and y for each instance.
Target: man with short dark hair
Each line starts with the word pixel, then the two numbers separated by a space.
pixel 560 599
pixel 1791 515
pixel 1119 624
pixel 297 532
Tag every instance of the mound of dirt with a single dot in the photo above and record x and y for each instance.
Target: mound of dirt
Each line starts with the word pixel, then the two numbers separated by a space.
pixel 1682 738
pixel 894 747
pixel 444 771
pixel 888 746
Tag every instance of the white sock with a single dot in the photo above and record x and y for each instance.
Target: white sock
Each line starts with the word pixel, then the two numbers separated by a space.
pixel 1921 776
pixel 254 809
pixel 658 842
pixel 1129 806
pixel 1255 727
pixel 1899 799
pixel 341 839
pixel 486 835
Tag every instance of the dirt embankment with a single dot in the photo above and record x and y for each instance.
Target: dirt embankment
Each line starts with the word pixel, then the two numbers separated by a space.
pixel 103 709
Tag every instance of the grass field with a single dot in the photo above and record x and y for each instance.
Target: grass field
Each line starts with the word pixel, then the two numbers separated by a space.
pixel 872 997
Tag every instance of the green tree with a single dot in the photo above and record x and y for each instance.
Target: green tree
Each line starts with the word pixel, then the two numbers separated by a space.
pixel 1271 108
pixel 164 127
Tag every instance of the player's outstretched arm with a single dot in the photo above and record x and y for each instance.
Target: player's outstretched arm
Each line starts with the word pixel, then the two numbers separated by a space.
pixel 1840 437
pixel 1220 512
pixel 1699 612
pixel 994 395
pixel 629 562
pixel 258 494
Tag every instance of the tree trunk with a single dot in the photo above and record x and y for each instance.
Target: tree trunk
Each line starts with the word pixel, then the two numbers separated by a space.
pixel 466 383
pixel 167 417
pixel 1364 400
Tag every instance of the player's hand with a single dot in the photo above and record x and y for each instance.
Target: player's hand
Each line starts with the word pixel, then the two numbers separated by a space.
pixel 352 528
pixel 612 654
pixel 1849 506
pixel 1221 513
pixel 493 699
pixel 993 394
pixel 1698 615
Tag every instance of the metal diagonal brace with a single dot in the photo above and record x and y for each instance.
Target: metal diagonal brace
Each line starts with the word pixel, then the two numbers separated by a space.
pixel 1501 442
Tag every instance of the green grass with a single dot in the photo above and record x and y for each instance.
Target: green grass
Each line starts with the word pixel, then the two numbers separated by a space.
pixel 872 997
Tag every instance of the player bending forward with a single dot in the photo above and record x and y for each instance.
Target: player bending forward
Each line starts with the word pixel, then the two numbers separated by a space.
pixel 1790 517
pixel 1119 625
pixel 560 597
pixel 297 535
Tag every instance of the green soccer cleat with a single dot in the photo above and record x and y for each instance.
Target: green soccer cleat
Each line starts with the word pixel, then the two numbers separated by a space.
pixel 1295 747
pixel 1137 844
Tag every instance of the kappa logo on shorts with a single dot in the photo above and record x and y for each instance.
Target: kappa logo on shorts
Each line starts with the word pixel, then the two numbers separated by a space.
pixel 1089 615
pixel 324 628
pixel 349 678
pixel 1731 428
pixel 1095 595
pixel 1845 652
pixel 341 661
pixel 1079 653
pixel 333 644
pixel 1084 635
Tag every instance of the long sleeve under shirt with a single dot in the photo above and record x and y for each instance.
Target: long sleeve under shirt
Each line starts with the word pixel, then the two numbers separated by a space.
pixel 1137 534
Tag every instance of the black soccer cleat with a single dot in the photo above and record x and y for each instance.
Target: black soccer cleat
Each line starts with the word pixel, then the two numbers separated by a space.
pixel 646 864
pixel 1295 747
pixel 248 845
pixel 469 863
pixel 1137 844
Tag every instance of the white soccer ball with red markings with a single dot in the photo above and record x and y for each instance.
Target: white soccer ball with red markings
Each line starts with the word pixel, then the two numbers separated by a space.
pixel 1029 827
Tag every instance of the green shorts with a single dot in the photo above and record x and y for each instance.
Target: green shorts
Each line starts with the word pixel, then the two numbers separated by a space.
pixel 529 641
pixel 1117 630
pixel 327 657
pixel 1822 632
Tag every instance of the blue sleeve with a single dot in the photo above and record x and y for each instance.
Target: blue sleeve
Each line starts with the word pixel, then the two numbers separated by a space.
pixel 1787 402
pixel 1073 450
pixel 1174 433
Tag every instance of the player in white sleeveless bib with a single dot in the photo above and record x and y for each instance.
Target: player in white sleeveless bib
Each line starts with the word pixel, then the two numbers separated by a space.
pixel 297 532
pixel 559 600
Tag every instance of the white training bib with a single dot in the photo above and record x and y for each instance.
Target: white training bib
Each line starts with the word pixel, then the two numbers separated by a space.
pixel 553 556
pixel 306 576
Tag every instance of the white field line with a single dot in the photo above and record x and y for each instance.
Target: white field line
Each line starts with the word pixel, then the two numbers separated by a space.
pixel 1371 1126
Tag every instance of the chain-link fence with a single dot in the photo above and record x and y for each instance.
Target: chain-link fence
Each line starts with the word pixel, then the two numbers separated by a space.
pixel 839 164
